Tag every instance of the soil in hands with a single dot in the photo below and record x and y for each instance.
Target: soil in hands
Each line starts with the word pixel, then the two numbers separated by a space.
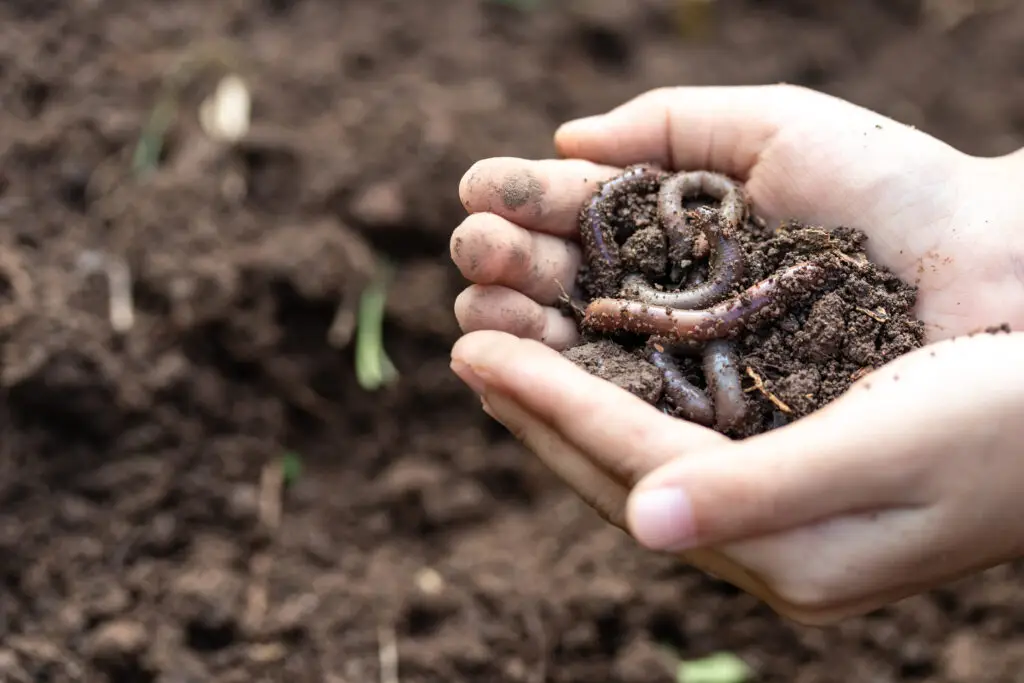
pixel 792 358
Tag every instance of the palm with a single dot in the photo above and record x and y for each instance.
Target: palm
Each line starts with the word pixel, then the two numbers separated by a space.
pixel 908 206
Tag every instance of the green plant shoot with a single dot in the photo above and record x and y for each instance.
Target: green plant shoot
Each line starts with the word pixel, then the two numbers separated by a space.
pixel 373 367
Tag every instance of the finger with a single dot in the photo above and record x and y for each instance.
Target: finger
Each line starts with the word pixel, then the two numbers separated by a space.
pixel 872 449
pixel 490 250
pixel 545 196
pixel 620 432
pixel 721 129
pixel 487 307
pixel 590 483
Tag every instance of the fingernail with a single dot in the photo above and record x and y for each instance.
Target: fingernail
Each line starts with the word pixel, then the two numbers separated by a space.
pixel 466 374
pixel 662 519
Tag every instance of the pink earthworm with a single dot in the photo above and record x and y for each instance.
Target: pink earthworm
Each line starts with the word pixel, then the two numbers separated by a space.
pixel 682 186
pixel 689 401
pixel 718 322
pixel 727 267
pixel 721 370
pixel 601 249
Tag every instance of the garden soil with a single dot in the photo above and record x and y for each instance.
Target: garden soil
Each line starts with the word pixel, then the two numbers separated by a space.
pixel 193 485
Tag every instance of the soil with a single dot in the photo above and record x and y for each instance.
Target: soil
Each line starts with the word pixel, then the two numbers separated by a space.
pixel 790 358
pixel 151 530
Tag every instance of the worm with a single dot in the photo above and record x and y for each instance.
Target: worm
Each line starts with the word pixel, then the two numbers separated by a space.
pixel 600 248
pixel 689 401
pixel 673 194
pixel 717 322
pixel 721 369
pixel 727 266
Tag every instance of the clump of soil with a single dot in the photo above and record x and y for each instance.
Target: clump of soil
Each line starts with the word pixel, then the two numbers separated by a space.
pixel 792 357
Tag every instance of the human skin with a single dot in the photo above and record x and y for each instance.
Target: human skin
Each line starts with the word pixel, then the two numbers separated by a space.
pixel 907 481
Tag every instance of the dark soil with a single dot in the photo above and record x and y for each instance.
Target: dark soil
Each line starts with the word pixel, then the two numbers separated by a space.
pixel 146 532
pixel 796 355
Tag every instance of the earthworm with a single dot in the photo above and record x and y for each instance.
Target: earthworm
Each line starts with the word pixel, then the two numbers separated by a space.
pixel 673 194
pixel 727 266
pixel 600 248
pixel 689 401
pixel 721 369
pixel 717 322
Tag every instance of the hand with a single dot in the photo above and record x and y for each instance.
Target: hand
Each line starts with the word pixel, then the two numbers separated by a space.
pixel 830 515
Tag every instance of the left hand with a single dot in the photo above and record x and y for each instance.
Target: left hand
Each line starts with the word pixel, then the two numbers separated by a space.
pixel 910 479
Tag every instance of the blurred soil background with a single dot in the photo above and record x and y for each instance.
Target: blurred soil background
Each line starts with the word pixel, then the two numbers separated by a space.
pixel 196 486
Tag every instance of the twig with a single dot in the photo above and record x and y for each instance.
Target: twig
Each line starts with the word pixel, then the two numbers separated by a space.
pixel 860 373
pixel 388 654
pixel 881 315
pixel 575 307
pixel 759 386
pixel 849 259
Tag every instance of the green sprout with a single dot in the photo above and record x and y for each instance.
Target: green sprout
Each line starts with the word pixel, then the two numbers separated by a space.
pixel 291 468
pixel 374 368
pixel 147 152
pixel 721 667
pixel 146 156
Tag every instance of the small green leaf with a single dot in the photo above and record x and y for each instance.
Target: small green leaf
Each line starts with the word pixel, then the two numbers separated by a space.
pixel 291 467
pixel 722 667
pixel 150 144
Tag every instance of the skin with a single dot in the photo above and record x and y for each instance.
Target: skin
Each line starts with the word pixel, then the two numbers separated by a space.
pixel 908 481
